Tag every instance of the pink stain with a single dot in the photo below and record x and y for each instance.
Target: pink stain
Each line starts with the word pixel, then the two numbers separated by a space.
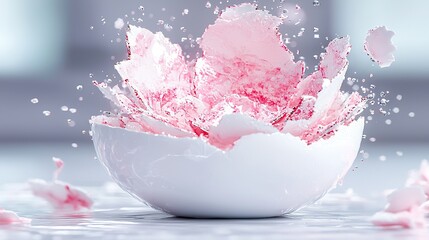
pixel 245 69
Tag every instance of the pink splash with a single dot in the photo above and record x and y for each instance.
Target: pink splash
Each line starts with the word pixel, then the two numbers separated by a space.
pixel 245 70
pixel 61 195
pixel 404 209
pixel 378 45
pixel 9 217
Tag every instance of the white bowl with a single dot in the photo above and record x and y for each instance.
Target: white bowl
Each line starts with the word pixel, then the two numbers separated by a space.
pixel 263 175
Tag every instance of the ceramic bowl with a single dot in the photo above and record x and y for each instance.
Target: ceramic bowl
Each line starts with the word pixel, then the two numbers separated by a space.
pixel 263 175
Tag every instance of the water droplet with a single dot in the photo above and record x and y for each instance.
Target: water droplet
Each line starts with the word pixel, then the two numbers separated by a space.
pixel 83 132
pixel 141 8
pixel 372 139
pixel 185 11
pixel 79 87
pixel 74 145
pixel 316 3
pixel 316 35
pixel 216 11
pixel 388 121
pixel 71 123
pixel 399 97
pixel 72 110
pixel 80 99
pixel 34 100
pixel 91 75
pixel 411 114
pixel 208 5
pixel 64 108
pixel 91 27
pixel 383 158
pixel 395 110
pixel 168 27
pixel 46 113
pixel 399 153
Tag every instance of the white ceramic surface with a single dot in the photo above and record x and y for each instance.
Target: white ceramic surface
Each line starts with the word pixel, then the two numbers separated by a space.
pixel 263 175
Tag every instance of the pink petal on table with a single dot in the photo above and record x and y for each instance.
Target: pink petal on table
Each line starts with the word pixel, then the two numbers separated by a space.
pixel 61 195
pixel 9 217
pixel 415 218
pixel 405 199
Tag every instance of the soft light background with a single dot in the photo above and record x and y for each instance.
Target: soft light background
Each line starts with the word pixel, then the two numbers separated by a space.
pixel 49 47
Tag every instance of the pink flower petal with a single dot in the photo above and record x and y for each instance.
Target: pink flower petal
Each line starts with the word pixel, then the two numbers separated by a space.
pixel 243 54
pixel 378 45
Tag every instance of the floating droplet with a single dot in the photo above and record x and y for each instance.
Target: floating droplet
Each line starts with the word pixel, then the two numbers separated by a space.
pixel 399 153
pixel 73 110
pixel 372 139
pixel 71 123
pixel 79 87
pixel 64 108
pixel 46 113
pixel 382 158
pixel 395 110
pixel 185 11
pixel 119 23
pixel 34 100
pixel 388 121
pixel 411 114
pixel 316 3
pixel 399 97
pixel 74 145
pixel 216 11
pixel 168 27
pixel 208 5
